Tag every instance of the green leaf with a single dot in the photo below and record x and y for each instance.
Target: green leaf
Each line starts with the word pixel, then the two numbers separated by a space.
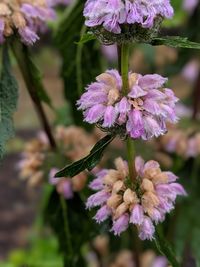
pixel 32 75
pixel 175 41
pixel 90 161
pixel 86 38
pixel 37 77
pixel 164 248
pixel 8 101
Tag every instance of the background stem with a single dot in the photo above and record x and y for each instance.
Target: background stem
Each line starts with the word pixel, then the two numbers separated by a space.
pixel 69 250
pixel 20 51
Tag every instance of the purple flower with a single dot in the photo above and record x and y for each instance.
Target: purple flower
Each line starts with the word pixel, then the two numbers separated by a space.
pixel 143 112
pixel 147 229
pixel 121 224
pixel 2 26
pixel 160 262
pixel 111 14
pixel 97 199
pixel 102 214
pixel 28 36
pixel 67 189
pixel 137 215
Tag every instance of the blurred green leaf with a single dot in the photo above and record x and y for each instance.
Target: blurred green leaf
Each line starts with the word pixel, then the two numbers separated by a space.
pixel 175 41
pixel 165 248
pixel 80 232
pixel 90 161
pixel 86 38
pixel 8 101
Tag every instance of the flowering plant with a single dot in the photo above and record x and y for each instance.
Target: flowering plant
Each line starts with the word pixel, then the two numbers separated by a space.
pixel 135 198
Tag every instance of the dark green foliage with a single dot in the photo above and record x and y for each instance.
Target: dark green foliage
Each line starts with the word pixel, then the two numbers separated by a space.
pixel 30 71
pixel 90 161
pixel 81 228
pixel 81 62
pixel 8 101
pixel 164 248
pixel 175 41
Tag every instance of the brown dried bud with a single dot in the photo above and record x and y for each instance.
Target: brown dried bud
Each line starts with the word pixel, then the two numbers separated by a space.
pixel 149 201
pixel 121 167
pixel 160 178
pixel 101 244
pixel 4 10
pixel 114 201
pixel 78 182
pixel 108 79
pixel 118 186
pixel 7 29
pixel 147 185
pixel 150 173
pixel 113 95
pixel 132 79
pixel 111 177
pixel 36 179
pixel 121 209
pixel 18 20
pixel 130 197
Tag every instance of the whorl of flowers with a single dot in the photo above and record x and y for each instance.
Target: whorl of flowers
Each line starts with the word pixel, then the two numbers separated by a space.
pixel 181 142
pixel 143 202
pixel 26 17
pixel 116 15
pixel 141 113
pixel 74 143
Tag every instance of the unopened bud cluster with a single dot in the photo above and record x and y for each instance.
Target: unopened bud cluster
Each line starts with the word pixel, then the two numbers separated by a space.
pixel 143 202
pixel 140 113
pixel 26 17
pixel 37 158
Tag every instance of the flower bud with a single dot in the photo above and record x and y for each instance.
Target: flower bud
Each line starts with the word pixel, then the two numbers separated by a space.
pixel 78 182
pixel 130 197
pixel 118 186
pixel 111 177
pixel 121 209
pixel 18 20
pixel 4 10
pixel 114 201
pixel 147 185
pixel 36 179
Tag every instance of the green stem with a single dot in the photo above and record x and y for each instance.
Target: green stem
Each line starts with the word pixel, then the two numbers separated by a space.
pixel 125 67
pixel 164 248
pixel 131 155
pixel 125 89
pixel 21 55
pixel 69 249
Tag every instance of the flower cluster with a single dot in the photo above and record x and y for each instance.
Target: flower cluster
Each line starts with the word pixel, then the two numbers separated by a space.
pixel 67 186
pixel 143 202
pixel 122 258
pixel 74 143
pixel 141 113
pixel 113 14
pixel 26 17
pixel 181 142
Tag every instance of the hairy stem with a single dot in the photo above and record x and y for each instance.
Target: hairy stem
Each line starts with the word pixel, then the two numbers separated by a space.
pixel 21 53
pixel 125 89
